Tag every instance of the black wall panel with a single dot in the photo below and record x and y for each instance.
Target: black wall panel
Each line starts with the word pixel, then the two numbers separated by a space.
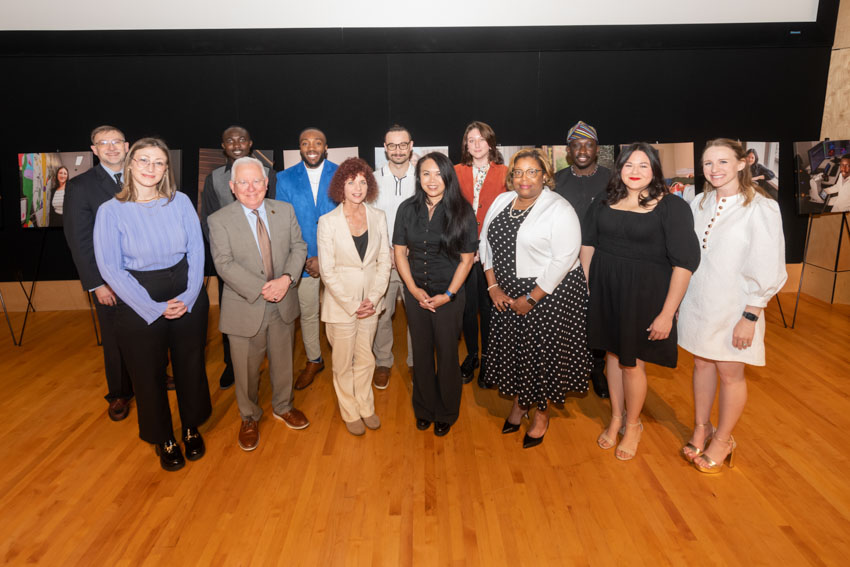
pixel 53 95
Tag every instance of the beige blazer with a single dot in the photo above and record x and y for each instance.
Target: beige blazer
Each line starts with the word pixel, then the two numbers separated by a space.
pixel 238 262
pixel 349 280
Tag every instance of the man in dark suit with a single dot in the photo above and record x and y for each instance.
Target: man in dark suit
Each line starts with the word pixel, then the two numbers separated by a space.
pixel 85 193
pixel 258 251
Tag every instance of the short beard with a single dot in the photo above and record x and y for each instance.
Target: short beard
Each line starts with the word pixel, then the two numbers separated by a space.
pixel 322 158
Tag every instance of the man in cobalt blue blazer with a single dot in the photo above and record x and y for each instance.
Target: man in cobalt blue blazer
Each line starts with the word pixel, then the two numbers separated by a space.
pixel 305 187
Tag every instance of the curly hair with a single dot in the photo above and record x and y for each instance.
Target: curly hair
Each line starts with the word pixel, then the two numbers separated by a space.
pixel 350 169
pixel 617 191
pixel 542 160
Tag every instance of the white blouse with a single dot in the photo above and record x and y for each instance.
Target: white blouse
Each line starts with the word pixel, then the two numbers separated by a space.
pixel 742 263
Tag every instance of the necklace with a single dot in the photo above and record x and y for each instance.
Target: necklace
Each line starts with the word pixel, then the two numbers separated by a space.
pixel 595 169
pixel 522 212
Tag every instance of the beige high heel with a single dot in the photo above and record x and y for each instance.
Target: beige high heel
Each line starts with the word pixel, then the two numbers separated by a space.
pixel 714 467
pixel 694 450
pixel 629 455
pixel 606 442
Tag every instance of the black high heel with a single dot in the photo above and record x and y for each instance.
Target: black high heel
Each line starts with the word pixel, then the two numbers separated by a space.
pixel 509 427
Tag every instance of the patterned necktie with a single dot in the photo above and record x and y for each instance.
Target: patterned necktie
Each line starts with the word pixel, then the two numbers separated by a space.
pixel 118 181
pixel 265 246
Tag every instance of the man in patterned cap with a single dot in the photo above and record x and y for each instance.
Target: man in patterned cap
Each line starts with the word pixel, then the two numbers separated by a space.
pixel 580 184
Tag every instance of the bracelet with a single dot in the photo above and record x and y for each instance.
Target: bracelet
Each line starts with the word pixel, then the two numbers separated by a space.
pixel 492 286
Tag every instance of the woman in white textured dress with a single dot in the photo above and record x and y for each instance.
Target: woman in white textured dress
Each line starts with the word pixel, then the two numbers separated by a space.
pixel 720 319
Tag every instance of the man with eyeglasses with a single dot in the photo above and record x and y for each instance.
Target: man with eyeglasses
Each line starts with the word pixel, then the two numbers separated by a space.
pixel 84 194
pixel 258 251
pixel 581 183
pixel 396 182
pixel 305 187
pixel 236 142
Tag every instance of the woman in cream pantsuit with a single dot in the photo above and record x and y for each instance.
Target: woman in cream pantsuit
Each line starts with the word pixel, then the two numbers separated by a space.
pixel 354 261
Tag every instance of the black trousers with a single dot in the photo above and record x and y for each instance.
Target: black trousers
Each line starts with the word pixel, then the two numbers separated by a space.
pixel 146 347
pixel 225 342
pixel 477 302
pixel 118 381
pixel 436 390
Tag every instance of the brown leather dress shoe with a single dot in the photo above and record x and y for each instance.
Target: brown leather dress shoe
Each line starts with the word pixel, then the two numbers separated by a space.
pixel 381 377
pixel 293 419
pixel 119 409
pixel 308 374
pixel 249 434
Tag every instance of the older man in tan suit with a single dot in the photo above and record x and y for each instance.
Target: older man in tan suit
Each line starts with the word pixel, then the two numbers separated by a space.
pixel 258 251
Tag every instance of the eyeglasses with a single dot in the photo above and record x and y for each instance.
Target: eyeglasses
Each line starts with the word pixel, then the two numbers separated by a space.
pixel 243 183
pixel 531 173
pixel 145 163
pixel 105 143
pixel 401 146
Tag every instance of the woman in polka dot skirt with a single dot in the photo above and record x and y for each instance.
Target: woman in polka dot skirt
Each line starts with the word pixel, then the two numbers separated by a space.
pixel 529 249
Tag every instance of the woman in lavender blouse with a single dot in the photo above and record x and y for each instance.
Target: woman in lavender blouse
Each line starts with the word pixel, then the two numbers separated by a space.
pixel 149 249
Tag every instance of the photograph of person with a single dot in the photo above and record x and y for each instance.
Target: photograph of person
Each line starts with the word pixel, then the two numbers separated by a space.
pixel 823 176
pixel 763 161
pixel 43 180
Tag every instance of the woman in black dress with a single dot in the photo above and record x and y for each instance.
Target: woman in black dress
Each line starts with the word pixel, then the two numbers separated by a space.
pixel 529 250
pixel 434 241
pixel 639 251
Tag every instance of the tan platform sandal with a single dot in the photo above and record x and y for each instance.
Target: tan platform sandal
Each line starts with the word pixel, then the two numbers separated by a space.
pixel 712 467
pixel 694 450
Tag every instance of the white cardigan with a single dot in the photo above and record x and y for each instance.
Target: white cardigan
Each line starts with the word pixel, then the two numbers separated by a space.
pixel 548 241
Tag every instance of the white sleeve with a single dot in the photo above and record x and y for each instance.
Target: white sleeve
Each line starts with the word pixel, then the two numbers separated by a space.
pixel 565 242
pixel 764 271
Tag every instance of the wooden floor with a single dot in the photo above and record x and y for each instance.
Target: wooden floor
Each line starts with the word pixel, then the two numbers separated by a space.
pixel 78 489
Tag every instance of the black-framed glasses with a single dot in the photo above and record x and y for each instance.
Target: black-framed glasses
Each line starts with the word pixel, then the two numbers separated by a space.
pixel 401 146
pixel 532 173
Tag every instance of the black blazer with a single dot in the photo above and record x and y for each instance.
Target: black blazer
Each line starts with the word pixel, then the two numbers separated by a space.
pixel 83 195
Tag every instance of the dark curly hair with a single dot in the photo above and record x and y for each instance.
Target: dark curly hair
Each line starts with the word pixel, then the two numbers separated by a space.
pixel 617 191
pixel 350 169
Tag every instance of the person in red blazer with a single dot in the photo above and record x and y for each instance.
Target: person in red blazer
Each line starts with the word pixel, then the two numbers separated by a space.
pixel 481 174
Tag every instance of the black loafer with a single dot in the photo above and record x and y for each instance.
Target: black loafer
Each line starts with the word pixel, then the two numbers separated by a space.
pixel 193 443
pixel 441 428
pixel 170 457
pixel 468 366
pixel 227 378
pixel 422 424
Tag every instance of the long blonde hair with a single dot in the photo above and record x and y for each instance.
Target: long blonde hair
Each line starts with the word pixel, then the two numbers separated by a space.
pixel 746 185
pixel 166 188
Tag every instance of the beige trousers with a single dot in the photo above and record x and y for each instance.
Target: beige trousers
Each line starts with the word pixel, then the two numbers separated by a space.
pixel 353 365
pixel 383 347
pixel 308 300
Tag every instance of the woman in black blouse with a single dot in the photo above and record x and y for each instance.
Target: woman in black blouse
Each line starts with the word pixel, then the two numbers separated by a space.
pixel 435 238
pixel 638 251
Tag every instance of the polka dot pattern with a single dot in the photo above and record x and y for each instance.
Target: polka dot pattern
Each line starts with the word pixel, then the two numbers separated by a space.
pixel 544 354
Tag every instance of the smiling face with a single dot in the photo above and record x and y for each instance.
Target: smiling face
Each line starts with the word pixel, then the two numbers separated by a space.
pixel 529 184
pixel 720 167
pixel 393 143
pixel 110 148
pixel 431 180
pixel 477 145
pixel 356 189
pixel 844 167
pixel 637 171
pixel 313 147
pixel 62 175
pixel 236 143
pixel 583 153
pixel 751 158
pixel 249 185
pixel 148 165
